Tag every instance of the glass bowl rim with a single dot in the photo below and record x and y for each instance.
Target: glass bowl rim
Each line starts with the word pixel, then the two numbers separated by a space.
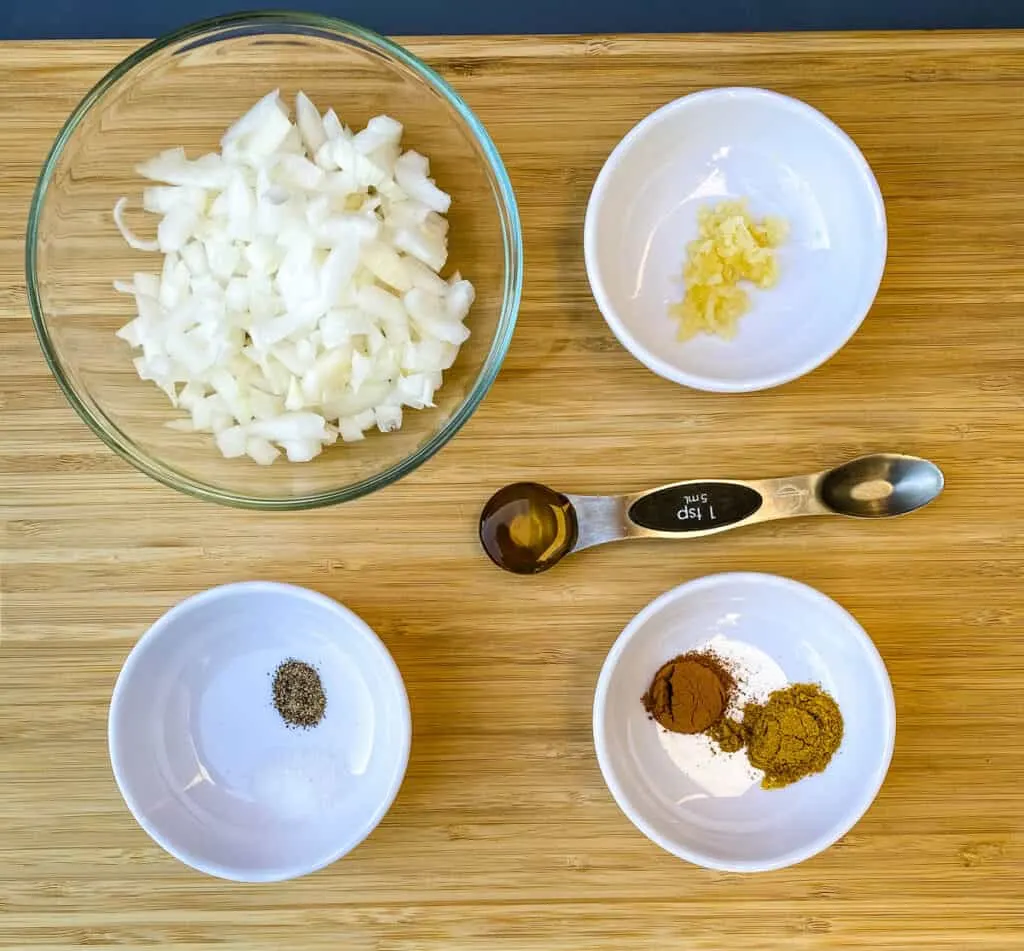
pixel 110 434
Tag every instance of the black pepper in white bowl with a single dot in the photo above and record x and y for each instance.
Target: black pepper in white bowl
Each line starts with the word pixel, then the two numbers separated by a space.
pixel 225 747
pixel 299 694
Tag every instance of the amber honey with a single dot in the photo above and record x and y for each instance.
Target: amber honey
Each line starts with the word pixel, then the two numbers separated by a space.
pixel 527 527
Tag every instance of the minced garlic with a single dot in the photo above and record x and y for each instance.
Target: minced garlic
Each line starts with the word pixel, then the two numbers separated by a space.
pixel 730 247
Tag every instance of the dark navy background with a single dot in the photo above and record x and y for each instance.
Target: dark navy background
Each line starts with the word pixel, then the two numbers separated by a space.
pixel 25 19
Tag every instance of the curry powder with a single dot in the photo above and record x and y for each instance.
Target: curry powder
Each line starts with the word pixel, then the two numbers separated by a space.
pixel 793 734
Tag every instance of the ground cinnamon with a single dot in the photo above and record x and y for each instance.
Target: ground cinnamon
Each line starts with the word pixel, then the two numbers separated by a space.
pixel 690 693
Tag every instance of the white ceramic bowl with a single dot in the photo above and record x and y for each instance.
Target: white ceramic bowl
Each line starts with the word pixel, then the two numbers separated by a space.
pixel 787 159
pixel 208 767
pixel 813 640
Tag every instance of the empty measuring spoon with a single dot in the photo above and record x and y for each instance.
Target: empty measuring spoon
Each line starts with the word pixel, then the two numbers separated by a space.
pixel 527 527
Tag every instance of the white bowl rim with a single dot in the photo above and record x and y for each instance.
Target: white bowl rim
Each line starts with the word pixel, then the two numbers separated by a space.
pixel 403 716
pixel 823 841
pixel 651 360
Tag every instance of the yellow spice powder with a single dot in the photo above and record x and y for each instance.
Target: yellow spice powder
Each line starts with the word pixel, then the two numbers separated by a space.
pixel 731 247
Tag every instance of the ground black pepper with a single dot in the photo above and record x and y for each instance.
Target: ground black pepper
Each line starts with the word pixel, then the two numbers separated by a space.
pixel 298 694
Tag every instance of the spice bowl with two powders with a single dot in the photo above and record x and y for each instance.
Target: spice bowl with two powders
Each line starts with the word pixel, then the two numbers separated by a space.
pixel 744 722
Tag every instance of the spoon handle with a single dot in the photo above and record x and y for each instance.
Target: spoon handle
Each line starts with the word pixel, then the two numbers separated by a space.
pixel 707 506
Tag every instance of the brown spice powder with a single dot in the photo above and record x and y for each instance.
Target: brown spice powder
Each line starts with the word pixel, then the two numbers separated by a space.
pixel 690 693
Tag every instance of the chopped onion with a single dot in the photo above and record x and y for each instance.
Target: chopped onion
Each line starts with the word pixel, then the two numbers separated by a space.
pixel 411 173
pixel 137 243
pixel 300 299
pixel 308 120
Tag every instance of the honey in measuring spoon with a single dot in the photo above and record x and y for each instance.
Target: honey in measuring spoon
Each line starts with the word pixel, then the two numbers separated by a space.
pixel 527 527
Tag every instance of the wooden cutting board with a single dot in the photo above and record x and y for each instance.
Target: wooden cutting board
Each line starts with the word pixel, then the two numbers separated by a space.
pixel 504 835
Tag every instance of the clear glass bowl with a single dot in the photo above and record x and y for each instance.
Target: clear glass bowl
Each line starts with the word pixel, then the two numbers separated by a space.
pixel 185 90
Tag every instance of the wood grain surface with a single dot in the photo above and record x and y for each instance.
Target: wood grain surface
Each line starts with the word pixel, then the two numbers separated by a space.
pixel 504 835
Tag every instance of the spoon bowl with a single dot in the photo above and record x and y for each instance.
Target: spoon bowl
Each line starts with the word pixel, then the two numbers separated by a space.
pixel 880 486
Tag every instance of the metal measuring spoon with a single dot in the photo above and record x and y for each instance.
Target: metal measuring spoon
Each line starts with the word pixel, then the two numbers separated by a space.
pixel 527 527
